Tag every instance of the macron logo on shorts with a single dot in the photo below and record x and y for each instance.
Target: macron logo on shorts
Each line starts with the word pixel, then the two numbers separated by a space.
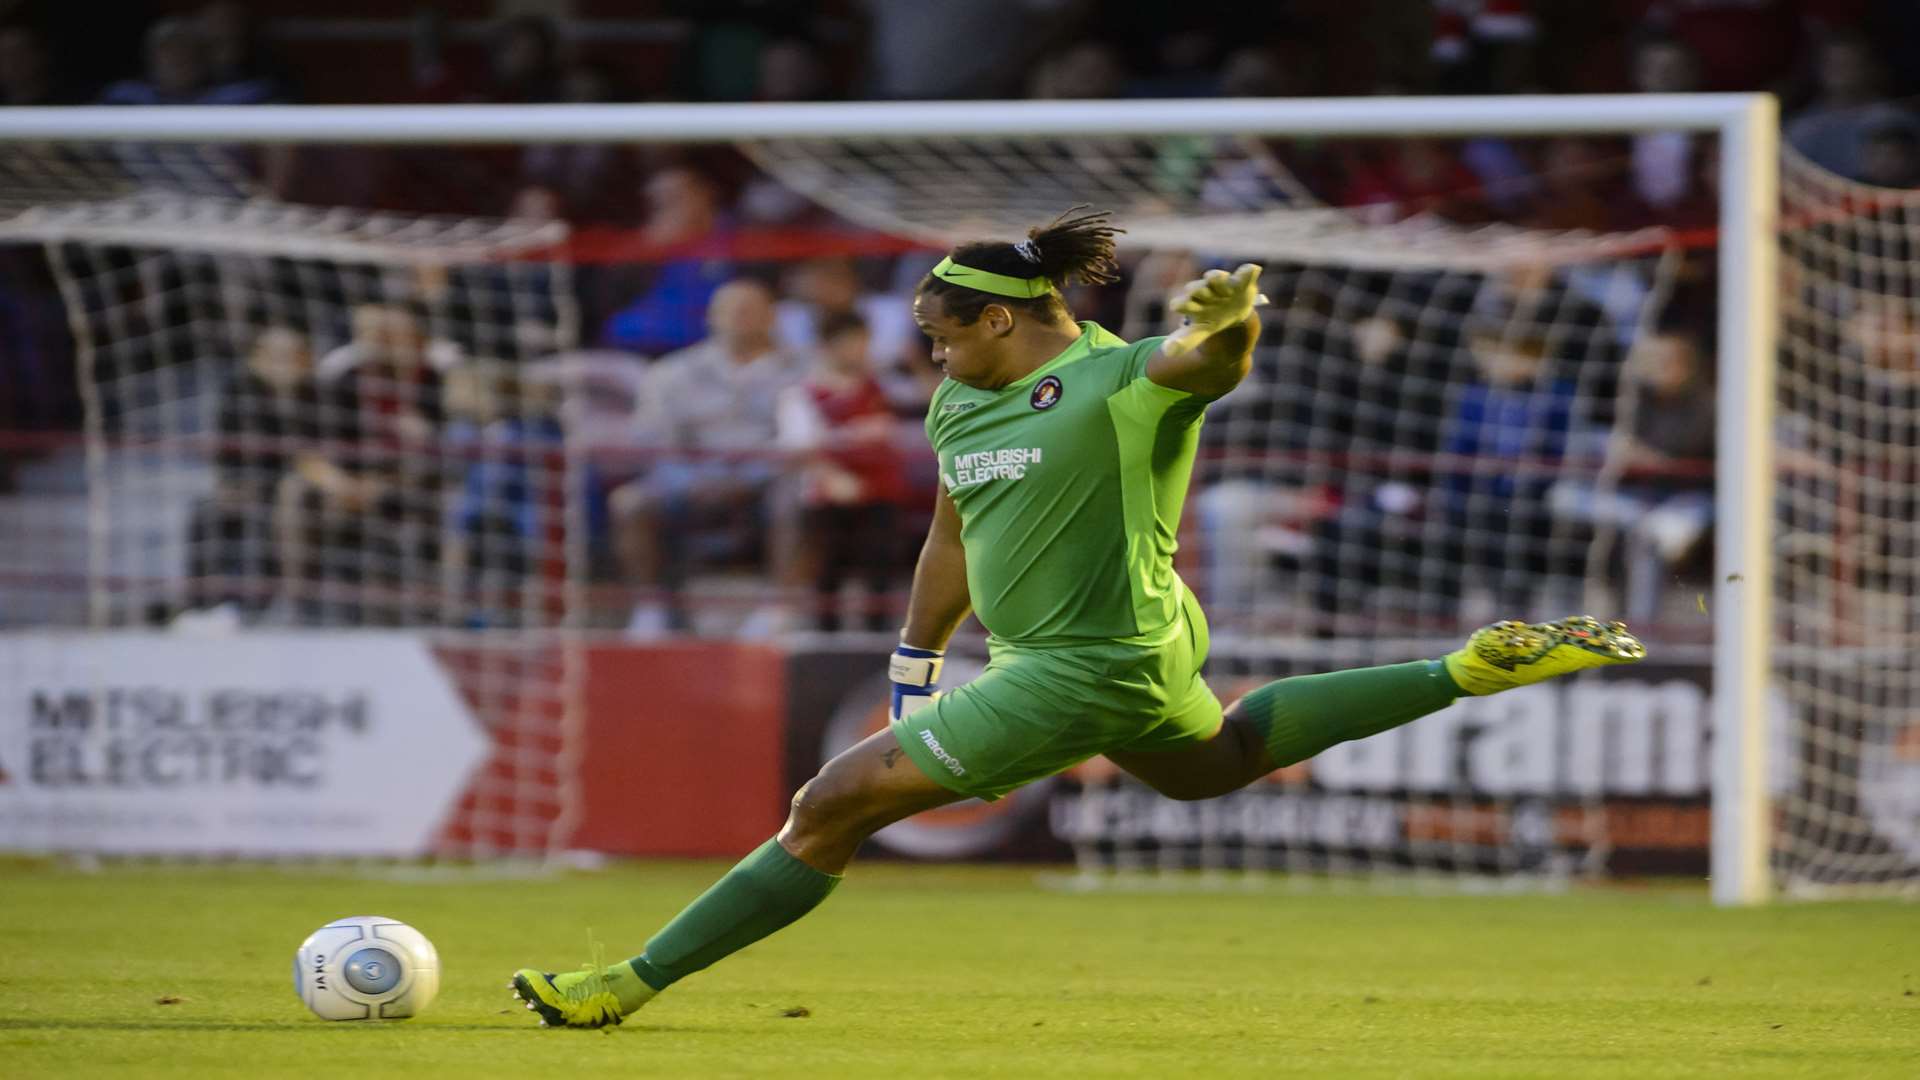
pixel 940 754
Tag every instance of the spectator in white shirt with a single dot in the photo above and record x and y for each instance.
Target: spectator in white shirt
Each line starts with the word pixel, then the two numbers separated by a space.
pixel 710 409
pixel 1663 160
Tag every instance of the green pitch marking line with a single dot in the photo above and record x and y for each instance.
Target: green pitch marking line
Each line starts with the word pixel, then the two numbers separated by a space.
pixel 932 972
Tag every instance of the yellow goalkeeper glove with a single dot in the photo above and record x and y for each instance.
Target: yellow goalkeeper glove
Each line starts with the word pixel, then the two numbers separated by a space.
pixel 1212 303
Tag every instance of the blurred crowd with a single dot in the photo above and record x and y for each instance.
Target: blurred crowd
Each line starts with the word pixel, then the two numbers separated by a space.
pixel 1845 70
pixel 751 403
pixel 394 467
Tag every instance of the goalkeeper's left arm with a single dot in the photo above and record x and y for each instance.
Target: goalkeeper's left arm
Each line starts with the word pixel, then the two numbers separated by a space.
pixel 1211 352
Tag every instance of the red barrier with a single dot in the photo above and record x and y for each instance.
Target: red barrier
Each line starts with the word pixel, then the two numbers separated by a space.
pixel 686 745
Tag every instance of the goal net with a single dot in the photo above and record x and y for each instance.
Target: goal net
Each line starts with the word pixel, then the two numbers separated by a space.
pixel 1847 540
pixel 1461 410
pixel 298 423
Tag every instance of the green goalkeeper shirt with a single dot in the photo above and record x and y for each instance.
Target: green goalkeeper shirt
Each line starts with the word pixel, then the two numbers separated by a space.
pixel 1069 485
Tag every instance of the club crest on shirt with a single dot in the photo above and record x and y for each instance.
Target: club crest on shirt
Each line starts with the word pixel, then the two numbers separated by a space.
pixel 1046 393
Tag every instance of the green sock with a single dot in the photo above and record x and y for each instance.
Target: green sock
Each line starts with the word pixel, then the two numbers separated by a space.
pixel 1301 716
pixel 762 893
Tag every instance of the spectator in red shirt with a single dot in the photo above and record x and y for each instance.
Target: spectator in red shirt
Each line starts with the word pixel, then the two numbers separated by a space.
pixel 852 483
pixel 1746 44
pixel 1408 177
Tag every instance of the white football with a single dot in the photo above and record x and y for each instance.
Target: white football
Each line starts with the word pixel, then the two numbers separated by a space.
pixel 366 967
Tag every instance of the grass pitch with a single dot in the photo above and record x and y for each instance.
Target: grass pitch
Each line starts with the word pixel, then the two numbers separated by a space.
pixel 914 972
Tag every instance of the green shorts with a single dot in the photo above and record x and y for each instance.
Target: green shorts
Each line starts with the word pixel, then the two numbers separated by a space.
pixel 1036 711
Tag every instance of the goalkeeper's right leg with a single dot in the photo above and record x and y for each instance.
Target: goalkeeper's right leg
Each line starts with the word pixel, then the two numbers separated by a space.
pixel 1294 719
pixel 855 795
pixel 1509 654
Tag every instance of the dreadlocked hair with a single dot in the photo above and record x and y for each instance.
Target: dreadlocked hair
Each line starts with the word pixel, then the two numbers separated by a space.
pixel 1074 248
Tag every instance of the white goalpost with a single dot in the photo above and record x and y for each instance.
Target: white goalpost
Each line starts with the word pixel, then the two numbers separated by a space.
pixel 1183 176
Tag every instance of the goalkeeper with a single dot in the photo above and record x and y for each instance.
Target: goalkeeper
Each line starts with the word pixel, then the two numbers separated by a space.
pixel 1064 459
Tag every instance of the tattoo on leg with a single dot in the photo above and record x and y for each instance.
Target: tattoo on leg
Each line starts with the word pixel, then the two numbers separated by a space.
pixel 888 757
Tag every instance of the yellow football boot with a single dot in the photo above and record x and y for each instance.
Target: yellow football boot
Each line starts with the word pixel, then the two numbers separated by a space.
pixel 579 999
pixel 1509 654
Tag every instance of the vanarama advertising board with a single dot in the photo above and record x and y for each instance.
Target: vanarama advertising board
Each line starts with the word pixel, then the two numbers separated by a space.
pixel 260 744
pixel 1608 772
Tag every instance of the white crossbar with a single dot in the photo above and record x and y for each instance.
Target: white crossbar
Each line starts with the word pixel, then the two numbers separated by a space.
pixel 417 124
